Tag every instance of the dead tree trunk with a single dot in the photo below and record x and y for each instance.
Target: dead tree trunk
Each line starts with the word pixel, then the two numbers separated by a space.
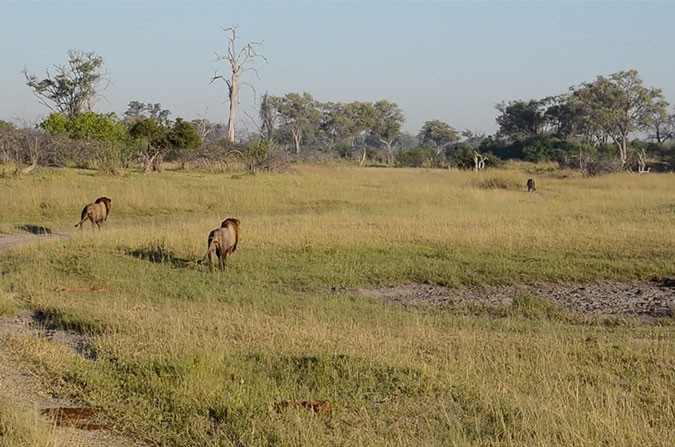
pixel 478 161
pixel 238 60
pixel 642 162
pixel 363 157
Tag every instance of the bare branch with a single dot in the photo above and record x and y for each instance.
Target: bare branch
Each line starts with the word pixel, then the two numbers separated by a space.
pixel 238 61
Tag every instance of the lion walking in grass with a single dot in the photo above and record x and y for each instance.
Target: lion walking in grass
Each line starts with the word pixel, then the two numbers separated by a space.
pixel 223 242
pixel 531 185
pixel 96 212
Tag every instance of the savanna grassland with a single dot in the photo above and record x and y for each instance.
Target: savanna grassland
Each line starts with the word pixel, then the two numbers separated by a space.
pixel 175 356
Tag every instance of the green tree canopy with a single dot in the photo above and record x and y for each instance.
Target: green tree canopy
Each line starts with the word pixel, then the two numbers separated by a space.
pixel 153 141
pixel 521 119
pixel 137 110
pixel 386 125
pixel 618 105
pixel 298 114
pixel 75 86
pixel 88 125
pixel 183 137
pixel 344 122
pixel 438 135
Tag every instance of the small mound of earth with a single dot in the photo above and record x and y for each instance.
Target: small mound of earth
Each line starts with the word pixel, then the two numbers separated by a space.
pixel 649 299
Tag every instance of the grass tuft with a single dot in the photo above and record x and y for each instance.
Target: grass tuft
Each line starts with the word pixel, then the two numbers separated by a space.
pixel 537 308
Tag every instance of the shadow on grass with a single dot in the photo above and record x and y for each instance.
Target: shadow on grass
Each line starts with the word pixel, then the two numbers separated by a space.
pixel 156 252
pixel 34 229
pixel 55 319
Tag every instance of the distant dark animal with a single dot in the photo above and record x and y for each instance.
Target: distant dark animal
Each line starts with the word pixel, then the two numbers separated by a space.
pixel 223 242
pixel 96 212
pixel 531 185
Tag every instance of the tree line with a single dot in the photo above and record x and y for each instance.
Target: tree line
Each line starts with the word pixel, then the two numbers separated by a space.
pixel 612 123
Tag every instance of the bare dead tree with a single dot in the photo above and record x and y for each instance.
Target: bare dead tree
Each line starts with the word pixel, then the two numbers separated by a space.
pixel 202 126
pixel 642 162
pixel 479 161
pixel 238 59
pixel 363 156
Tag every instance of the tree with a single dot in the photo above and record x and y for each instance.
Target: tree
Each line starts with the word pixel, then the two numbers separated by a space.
pixel 74 88
pixel 209 131
pixel 238 59
pixel 473 138
pixel 461 155
pixel 89 138
pixel 438 134
pixel 268 117
pixel 183 138
pixel 7 141
pixel 344 123
pixel 56 123
pixel 153 141
pixel 137 111
pixel 663 126
pixel 86 126
pixel 564 117
pixel 336 123
pixel 298 114
pixel 619 105
pixel 417 157
pixel 362 116
pixel 386 125
pixel 521 119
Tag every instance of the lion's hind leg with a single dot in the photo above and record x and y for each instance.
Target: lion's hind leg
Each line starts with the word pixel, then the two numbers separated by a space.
pixel 83 218
pixel 222 256
pixel 214 251
pixel 210 255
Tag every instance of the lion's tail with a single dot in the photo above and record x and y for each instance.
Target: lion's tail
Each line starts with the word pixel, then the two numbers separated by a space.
pixel 83 217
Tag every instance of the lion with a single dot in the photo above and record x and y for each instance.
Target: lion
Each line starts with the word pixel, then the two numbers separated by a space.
pixel 531 185
pixel 223 242
pixel 96 212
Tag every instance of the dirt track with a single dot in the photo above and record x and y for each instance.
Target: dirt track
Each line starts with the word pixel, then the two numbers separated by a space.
pixel 16 240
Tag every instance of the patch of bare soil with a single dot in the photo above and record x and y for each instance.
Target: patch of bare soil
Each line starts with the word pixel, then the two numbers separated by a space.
pixel 32 233
pixel 655 299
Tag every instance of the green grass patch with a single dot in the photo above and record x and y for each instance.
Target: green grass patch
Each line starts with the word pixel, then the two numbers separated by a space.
pixel 174 355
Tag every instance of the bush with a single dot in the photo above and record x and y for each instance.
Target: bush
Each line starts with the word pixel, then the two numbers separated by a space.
pixel 418 157
pixel 499 183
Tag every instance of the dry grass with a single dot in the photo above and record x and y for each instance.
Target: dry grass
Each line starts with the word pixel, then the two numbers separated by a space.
pixel 176 356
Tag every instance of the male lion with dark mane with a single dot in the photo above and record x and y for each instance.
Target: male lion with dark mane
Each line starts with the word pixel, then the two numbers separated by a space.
pixel 96 212
pixel 223 242
pixel 531 185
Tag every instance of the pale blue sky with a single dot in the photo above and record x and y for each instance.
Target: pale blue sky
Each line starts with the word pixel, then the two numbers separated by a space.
pixel 446 60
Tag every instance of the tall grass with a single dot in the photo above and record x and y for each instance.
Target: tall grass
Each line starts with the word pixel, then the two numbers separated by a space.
pixel 176 356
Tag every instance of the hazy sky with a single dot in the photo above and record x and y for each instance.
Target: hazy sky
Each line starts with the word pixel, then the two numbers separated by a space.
pixel 447 60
